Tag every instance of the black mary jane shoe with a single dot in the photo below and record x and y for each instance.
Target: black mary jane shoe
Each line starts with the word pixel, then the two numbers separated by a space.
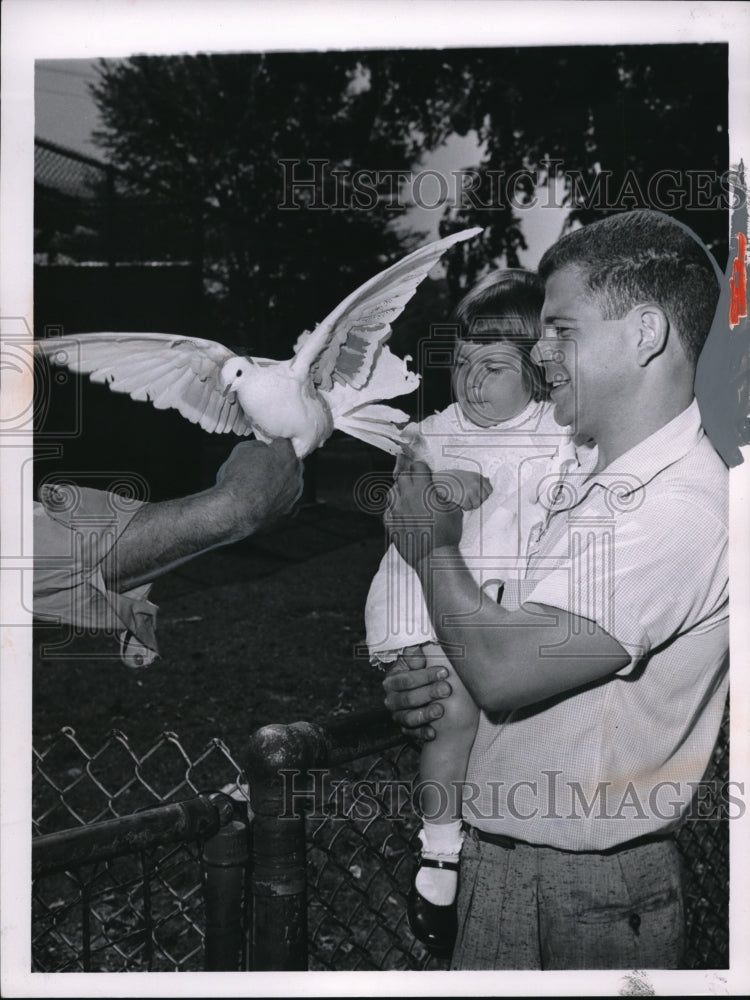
pixel 435 926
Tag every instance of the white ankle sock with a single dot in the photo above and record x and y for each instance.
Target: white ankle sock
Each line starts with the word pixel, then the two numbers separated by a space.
pixel 440 842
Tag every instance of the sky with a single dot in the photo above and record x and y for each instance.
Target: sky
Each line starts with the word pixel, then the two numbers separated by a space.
pixel 66 114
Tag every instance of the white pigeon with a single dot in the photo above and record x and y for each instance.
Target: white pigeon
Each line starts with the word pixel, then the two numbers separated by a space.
pixel 338 374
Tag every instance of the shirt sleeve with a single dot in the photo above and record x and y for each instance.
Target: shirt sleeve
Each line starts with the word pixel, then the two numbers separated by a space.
pixel 643 580
pixel 74 529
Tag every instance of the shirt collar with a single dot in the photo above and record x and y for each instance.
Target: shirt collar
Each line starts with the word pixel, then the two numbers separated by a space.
pixel 638 466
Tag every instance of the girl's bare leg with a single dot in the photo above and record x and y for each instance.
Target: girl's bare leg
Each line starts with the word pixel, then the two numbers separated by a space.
pixel 442 768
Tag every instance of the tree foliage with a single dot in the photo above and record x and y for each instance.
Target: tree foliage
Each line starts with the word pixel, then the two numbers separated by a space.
pixel 611 121
pixel 213 132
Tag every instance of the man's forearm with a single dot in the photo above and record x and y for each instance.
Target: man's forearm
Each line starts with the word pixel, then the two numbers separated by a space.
pixel 510 659
pixel 256 485
pixel 162 535
pixel 465 626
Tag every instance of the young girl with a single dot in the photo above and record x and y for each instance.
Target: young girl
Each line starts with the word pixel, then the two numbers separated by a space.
pixel 494 446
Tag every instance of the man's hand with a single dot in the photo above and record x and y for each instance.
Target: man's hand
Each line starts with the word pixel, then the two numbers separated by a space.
pixel 413 693
pixel 468 489
pixel 421 514
pixel 262 483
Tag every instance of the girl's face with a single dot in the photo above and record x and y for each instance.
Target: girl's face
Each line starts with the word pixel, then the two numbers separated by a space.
pixel 489 382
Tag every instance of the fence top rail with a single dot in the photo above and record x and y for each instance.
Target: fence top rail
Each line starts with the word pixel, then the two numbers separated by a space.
pixel 361 734
pixel 178 822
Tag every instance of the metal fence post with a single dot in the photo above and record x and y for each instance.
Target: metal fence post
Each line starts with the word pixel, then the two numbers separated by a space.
pixel 279 875
pixel 225 856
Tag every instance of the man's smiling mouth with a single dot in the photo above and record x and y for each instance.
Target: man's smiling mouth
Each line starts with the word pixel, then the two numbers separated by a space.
pixel 558 384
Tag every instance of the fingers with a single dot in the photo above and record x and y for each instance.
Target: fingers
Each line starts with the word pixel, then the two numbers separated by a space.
pixel 280 448
pixel 474 496
pixel 413 693
pixel 413 697
pixel 283 447
pixel 412 470
pixel 413 658
pixel 291 467
pixel 263 480
pixel 408 475
pixel 410 688
pixel 416 721
pixel 402 461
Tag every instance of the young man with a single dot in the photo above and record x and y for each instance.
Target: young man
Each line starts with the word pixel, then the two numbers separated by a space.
pixel 602 679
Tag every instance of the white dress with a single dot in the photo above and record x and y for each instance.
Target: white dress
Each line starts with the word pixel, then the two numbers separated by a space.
pixel 515 456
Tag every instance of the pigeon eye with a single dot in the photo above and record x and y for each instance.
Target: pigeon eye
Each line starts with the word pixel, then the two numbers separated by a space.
pixel 239 372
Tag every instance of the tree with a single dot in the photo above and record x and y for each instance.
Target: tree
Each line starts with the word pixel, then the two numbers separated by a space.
pixel 623 126
pixel 235 138
pixel 227 135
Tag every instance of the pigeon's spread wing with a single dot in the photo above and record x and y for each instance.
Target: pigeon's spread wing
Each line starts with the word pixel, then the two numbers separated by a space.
pixel 171 372
pixel 345 346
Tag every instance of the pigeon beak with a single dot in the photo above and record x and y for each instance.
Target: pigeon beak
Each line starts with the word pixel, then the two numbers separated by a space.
pixel 227 390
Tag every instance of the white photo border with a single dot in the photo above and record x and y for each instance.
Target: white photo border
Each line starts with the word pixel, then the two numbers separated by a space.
pixel 88 29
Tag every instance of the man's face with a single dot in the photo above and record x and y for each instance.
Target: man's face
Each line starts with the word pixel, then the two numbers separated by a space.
pixel 489 382
pixel 583 355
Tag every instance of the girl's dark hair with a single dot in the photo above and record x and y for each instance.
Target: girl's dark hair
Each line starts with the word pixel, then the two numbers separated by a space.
pixel 506 305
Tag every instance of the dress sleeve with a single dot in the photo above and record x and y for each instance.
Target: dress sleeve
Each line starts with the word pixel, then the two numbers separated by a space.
pixel 74 529
pixel 396 614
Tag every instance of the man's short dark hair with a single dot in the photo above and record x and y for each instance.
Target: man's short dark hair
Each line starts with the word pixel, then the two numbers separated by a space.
pixel 643 256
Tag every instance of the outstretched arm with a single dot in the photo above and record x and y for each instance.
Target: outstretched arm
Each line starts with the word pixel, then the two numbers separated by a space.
pixel 256 485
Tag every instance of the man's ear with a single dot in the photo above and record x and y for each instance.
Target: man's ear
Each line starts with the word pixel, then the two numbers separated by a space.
pixel 651 329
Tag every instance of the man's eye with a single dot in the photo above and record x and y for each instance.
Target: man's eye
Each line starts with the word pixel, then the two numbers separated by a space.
pixel 558 332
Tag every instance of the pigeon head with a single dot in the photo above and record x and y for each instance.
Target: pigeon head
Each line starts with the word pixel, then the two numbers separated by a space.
pixel 233 373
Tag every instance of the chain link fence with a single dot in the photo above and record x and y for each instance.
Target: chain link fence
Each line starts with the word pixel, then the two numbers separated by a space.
pixel 361 848
pixel 339 891
pixel 143 911
pixel 704 844
pixel 146 911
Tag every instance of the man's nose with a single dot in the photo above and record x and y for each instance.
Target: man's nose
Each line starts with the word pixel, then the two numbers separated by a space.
pixel 547 352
